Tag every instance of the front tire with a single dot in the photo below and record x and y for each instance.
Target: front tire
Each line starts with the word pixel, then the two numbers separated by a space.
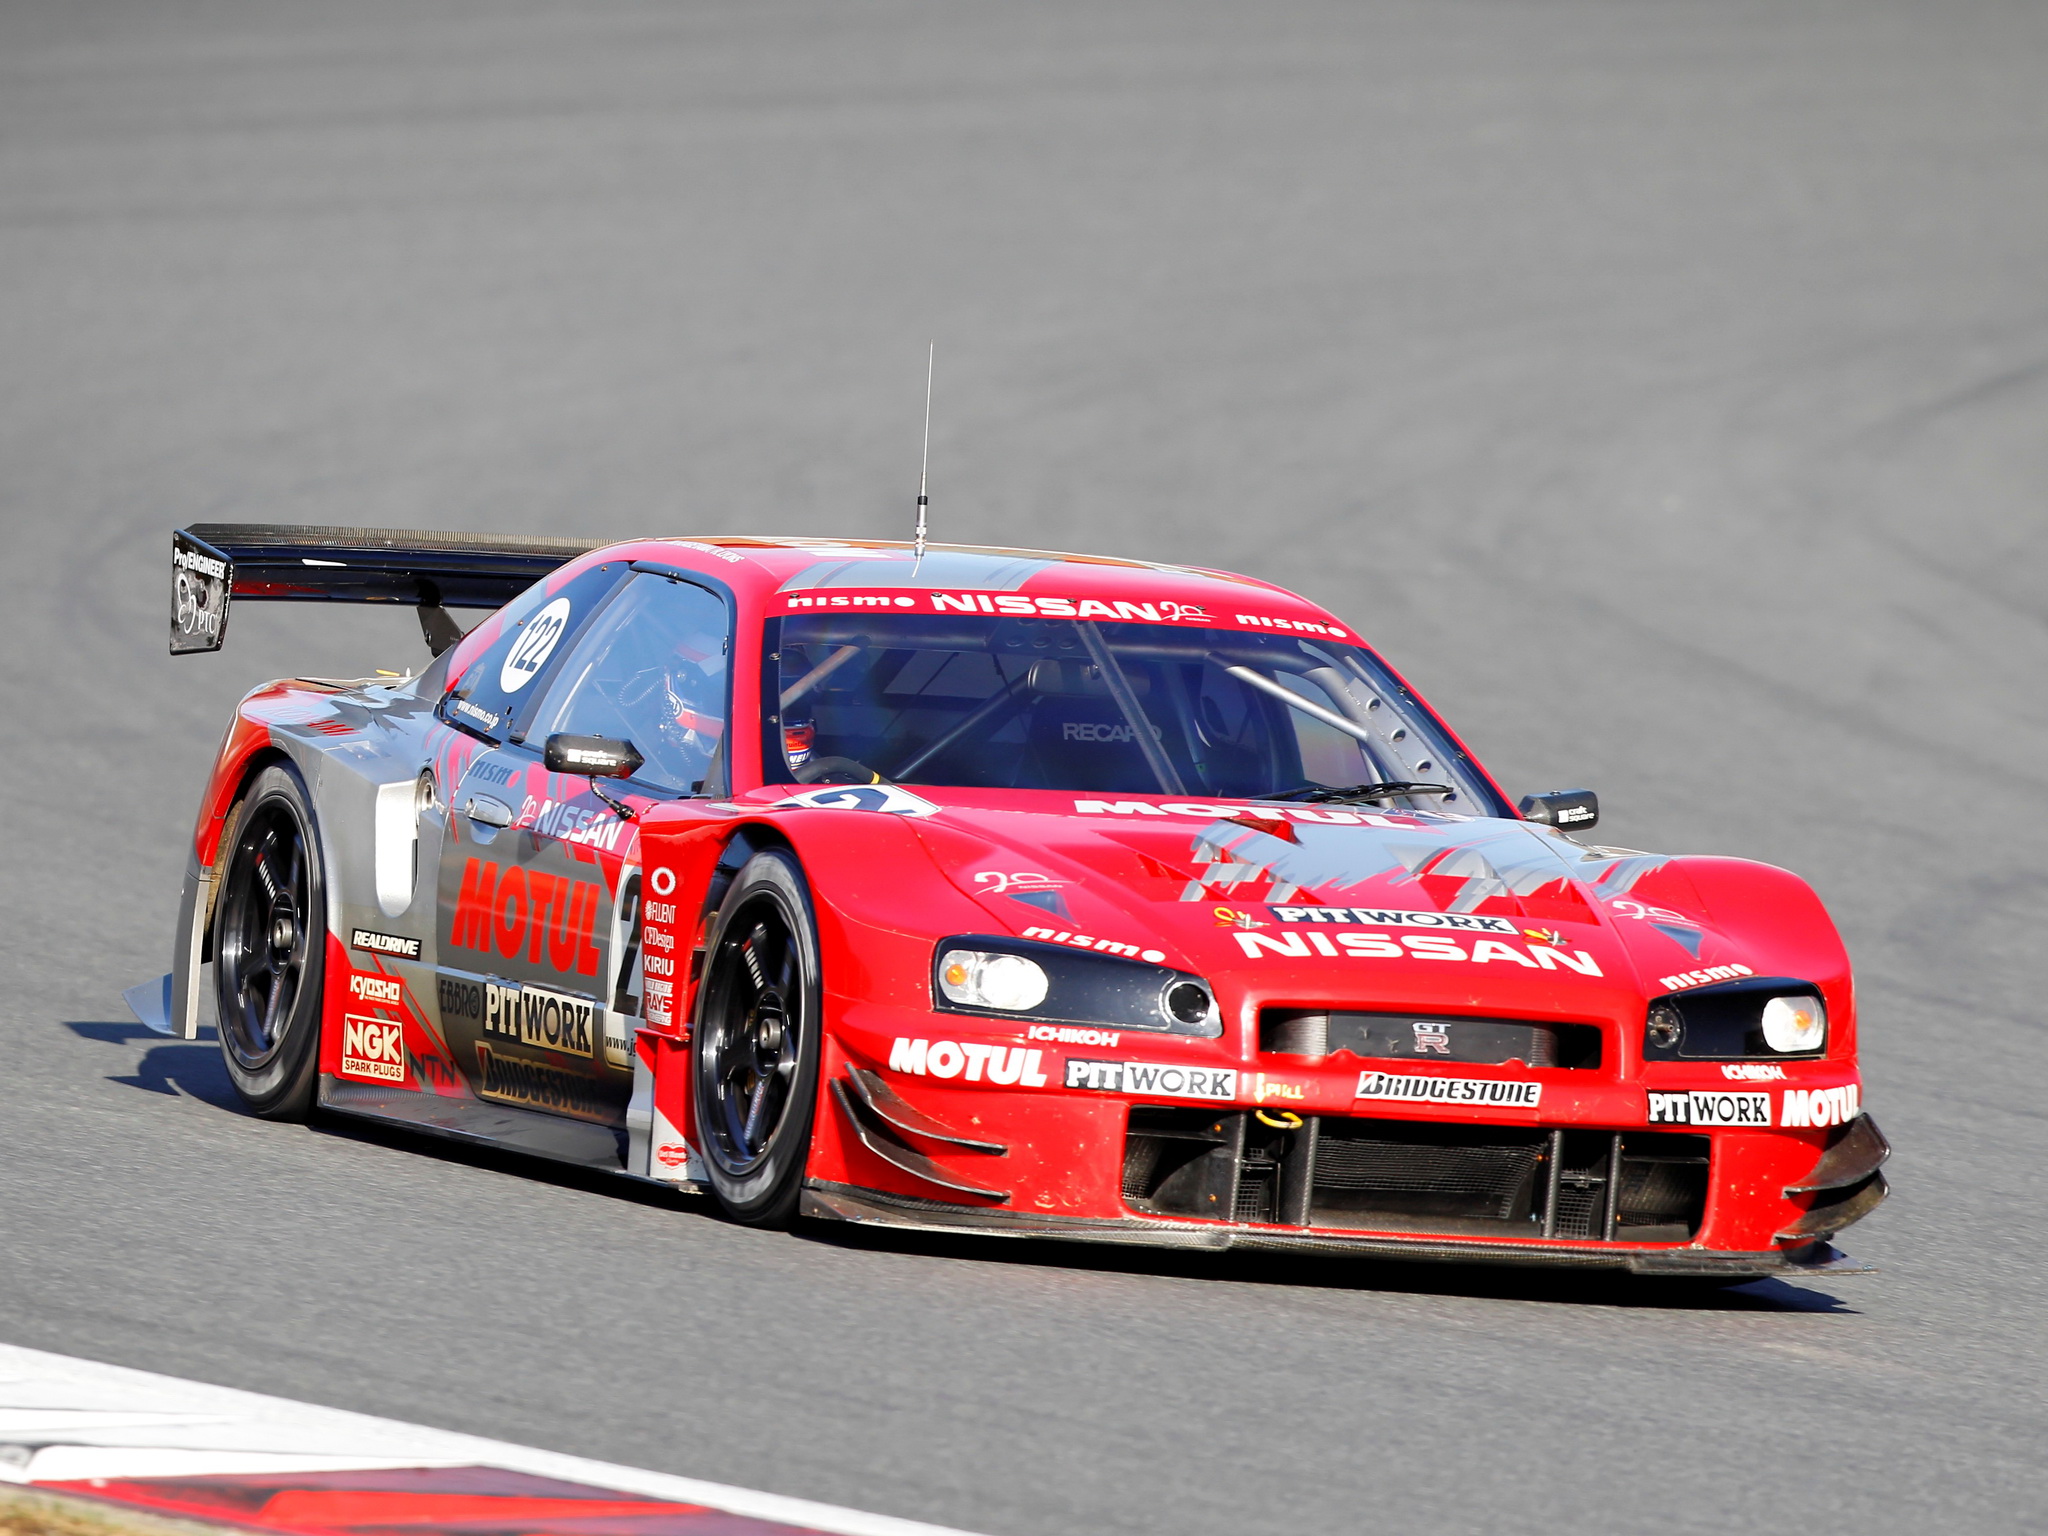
pixel 754 1054
pixel 269 944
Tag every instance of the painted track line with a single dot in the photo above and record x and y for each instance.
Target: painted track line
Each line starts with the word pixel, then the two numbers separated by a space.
pixel 217 1453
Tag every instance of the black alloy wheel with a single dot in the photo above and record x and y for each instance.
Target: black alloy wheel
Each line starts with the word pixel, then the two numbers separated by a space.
pixel 269 938
pixel 755 1048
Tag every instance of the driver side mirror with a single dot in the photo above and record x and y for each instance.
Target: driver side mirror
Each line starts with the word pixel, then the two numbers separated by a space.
pixel 597 756
pixel 1565 809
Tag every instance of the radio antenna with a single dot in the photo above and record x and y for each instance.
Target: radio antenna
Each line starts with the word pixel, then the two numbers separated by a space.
pixel 924 501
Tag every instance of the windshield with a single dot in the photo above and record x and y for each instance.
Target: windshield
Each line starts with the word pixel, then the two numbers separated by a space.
pixel 1034 703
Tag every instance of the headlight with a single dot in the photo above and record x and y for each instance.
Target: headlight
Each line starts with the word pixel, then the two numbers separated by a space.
pixel 975 979
pixel 1052 983
pixel 1753 1018
pixel 1795 1023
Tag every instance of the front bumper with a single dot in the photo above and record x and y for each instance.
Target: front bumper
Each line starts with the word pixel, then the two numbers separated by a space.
pixel 1584 1186
pixel 842 1202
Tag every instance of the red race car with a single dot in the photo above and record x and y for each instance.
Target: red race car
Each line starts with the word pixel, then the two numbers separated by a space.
pixel 991 890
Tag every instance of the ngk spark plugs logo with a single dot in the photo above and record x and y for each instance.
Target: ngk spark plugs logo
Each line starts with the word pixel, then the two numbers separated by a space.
pixel 372 1048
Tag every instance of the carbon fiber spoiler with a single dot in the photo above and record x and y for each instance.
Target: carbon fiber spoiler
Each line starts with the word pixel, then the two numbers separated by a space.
pixel 214 563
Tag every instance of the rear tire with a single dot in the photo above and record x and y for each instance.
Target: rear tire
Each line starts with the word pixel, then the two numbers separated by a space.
pixel 754 1052
pixel 269 945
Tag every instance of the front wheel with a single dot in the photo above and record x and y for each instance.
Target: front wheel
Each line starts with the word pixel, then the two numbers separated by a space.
pixel 754 1055
pixel 269 939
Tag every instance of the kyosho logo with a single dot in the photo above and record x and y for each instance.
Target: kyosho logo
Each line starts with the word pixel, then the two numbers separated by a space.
pixel 1005 1065
pixel 375 989
pixel 1415 946
pixel 372 1048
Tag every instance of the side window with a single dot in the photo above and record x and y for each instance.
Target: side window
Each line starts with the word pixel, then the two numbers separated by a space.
pixel 652 671
pixel 496 687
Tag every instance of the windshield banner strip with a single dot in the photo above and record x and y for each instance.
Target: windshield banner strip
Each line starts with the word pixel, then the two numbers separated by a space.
pixel 1020 605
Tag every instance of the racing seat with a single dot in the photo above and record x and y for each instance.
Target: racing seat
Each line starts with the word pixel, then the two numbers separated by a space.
pixel 1084 742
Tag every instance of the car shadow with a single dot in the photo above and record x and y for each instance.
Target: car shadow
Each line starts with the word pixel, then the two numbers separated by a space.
pixel 520 1165
pixel 166 1066
pixel 194 1067
pixel 1572 1287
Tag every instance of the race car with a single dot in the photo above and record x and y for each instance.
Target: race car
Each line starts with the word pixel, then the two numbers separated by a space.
pixel 990 890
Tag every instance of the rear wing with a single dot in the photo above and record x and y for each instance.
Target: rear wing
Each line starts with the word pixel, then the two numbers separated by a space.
pixel 214 563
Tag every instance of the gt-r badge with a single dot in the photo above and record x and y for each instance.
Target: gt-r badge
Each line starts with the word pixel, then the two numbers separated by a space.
pixel 886 798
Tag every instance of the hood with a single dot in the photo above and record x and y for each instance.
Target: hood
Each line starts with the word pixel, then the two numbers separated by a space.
pixel 1317 905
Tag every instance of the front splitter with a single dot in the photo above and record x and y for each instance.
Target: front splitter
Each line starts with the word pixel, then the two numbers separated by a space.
pixel 846 1202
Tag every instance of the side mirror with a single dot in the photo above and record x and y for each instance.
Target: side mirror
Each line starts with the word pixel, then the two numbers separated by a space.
pixel 597 756
pixel 1566 809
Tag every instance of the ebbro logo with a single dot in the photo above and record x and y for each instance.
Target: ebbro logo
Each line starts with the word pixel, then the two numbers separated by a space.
pixel 375 989
pixel 372 1048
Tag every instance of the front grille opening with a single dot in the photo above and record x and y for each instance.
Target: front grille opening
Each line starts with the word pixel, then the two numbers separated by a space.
pixel 1295 1031
pixel 1404 1176
pixel 1663 1187
pixel 1182 1162
pixel 1437 1178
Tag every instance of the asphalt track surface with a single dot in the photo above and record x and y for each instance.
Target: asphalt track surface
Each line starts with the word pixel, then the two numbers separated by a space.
pixel 1662 384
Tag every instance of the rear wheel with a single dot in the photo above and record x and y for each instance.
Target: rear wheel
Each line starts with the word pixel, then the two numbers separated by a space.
pixel 754 1057
pixel 269 932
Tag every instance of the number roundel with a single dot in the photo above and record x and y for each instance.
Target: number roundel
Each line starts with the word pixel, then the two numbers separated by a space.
pixel 532 649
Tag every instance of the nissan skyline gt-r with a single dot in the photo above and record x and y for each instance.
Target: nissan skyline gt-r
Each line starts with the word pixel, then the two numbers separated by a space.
pixel 990 890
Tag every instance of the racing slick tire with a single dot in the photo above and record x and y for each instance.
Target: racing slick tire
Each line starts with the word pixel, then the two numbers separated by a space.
pixel 754 1052
pixel 269 945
